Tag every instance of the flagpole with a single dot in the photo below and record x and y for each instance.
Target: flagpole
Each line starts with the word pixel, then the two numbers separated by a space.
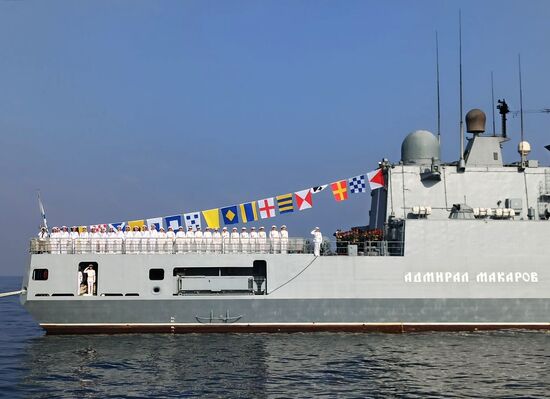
pixel 42 212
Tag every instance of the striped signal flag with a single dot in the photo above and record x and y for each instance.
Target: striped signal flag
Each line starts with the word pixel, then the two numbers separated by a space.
pixel 285 204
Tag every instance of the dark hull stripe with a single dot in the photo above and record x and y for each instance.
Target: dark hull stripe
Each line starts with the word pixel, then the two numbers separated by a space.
pixel 283 328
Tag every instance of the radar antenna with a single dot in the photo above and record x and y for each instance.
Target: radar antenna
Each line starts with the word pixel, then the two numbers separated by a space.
pixel 503 109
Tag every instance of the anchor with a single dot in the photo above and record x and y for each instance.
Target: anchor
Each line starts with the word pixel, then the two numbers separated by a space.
pixel 219 319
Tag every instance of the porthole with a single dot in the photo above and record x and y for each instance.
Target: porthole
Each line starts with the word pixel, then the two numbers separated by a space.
pixel 156 290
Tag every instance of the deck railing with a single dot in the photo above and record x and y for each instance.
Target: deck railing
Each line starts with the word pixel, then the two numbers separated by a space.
pixel 294 245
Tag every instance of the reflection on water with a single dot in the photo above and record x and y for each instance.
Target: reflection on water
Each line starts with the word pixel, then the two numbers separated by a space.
pixel 488 364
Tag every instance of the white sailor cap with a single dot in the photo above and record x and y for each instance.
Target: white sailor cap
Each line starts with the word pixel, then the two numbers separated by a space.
pixel 244 228
pixel 253 228
pixel 273 227
pixel 234 228
pixel 283 227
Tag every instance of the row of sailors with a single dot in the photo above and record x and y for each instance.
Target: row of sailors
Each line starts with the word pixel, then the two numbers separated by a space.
pixel 149 240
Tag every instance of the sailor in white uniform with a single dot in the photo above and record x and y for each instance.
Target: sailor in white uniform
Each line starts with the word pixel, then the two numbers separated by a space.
pixel 145 236
pixel 180 240
pixel 54 241
pixel 111 240
pixel 153 238
pixel 119 240
pixel 103 240
pixel 225 240
pixel 64 239
pixel 135 238
pixel 275 239
pixel 262 240
pixel 170 238
pixel 127 243
pixel 253 240
pixel 161 240
pixel 73 235
pixel 217 240
pixel 284 239
pixel 43 236
pixel 83 245
pixel 207 236
pixel 198 240
pixel 317 240
pixel 190 237
pixel 235 238
pixel 90 273
pixel 94 238
pixel 245 240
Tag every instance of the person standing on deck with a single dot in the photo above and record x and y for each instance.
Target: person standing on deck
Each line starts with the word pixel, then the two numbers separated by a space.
pixel 217 240
pixel 119 240
pixel 73 235
pixel 245 240
pixel 90 273
pixel 275 239
pixel 132 240
pixel 284 239
pixel 198 240
pixel 262 240
pixel 43 236
pixel 145 236
pixel 127 243
pixel 83 245
pixel 317 240
pixel 103 240
pixel 207 236
pixel 64 239
pixel 170 238
pixel 111 240
pixel 180 240
pixel 153 238
pixel 190 237
pixel 225 240
pixel 234 238
pixel 253 240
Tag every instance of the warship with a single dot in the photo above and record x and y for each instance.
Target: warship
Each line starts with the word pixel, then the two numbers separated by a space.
pixel 463 248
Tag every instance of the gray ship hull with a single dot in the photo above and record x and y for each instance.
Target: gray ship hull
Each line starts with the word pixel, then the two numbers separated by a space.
pixel 288 315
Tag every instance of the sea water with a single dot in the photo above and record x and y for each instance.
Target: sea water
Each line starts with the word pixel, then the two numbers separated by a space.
pixel 416 365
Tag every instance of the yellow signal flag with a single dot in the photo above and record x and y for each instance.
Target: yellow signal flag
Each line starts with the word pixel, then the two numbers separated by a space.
pixel 81 229
pixel 136 223
pixel 212 217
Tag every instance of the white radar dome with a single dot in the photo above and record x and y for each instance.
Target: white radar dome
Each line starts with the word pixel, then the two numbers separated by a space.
pixel 419 147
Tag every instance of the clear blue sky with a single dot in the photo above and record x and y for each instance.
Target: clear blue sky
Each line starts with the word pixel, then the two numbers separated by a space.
pixel 119 110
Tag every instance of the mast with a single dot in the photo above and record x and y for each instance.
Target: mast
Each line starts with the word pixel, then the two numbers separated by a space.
pixel 461 163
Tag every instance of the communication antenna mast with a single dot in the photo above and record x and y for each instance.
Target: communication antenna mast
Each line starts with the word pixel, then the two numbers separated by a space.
pixel 461 163
pixel 522 150
pixel 493 103
pixel 438 97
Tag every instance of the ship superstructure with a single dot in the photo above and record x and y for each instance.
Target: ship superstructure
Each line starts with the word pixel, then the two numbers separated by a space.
pixel 464 248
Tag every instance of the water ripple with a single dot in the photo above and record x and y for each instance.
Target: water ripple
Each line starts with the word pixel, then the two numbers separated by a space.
pixel 442 365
